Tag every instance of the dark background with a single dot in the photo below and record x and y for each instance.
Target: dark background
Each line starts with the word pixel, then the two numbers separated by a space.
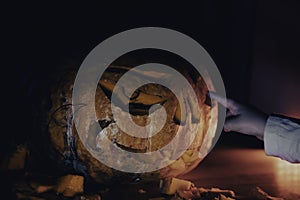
pixel 255 45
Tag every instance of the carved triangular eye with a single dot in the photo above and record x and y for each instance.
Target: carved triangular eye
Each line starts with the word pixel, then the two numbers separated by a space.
pixel 139 103
pixel 108 88
pixel 146 99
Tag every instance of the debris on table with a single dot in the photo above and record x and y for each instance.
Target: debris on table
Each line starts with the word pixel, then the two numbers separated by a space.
pixel 222 197
pixel 259 194
pixel 186 190
pixel 158 198
pixel 170 186
pixel 17 159
pixel 207 194
pixel 142 191
pixel 90 197
pixel 43 188
pixel 70 185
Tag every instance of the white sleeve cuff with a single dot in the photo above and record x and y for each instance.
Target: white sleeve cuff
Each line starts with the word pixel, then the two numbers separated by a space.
pixel 282 138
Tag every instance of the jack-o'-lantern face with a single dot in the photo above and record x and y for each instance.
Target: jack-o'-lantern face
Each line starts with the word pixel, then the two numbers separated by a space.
pixel 179 120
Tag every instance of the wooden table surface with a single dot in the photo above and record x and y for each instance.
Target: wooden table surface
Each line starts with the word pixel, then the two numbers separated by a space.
pixel 236 169
pixel 241 170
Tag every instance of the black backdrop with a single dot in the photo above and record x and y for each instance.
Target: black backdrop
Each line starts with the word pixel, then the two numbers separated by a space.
pixel 40 37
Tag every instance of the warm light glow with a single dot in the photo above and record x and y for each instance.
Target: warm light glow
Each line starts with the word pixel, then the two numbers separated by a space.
pixel 288 176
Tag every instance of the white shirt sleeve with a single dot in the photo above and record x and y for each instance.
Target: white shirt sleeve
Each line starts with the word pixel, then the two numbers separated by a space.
pixel 282 138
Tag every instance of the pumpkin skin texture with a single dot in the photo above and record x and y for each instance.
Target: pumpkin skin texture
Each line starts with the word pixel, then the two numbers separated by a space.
pixel 64 145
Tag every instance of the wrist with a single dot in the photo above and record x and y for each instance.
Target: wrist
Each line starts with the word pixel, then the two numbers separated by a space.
pixel 261 126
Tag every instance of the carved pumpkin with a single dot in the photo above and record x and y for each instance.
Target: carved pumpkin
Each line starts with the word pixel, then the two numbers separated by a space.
pixel 66 146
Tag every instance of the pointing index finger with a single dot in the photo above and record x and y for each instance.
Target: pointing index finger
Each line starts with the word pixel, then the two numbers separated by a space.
pixel 228 103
